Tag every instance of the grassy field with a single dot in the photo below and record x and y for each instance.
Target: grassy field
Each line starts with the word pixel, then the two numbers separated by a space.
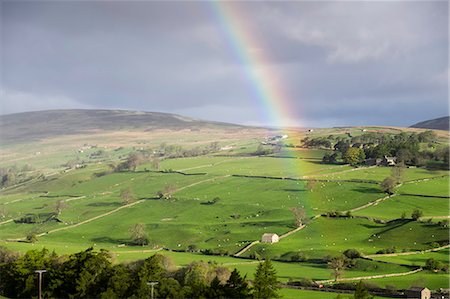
pixel 330 236
pixel 394 207
pixel 417 259
pixel 222 202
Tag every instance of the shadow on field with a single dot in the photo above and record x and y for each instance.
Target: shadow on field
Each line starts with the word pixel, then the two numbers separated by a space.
pixel 366 190
pixel 111 240
pixel 105 204
pixel 294 190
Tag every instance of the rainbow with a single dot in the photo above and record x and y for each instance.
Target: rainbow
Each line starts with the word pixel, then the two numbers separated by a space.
pixel 251 55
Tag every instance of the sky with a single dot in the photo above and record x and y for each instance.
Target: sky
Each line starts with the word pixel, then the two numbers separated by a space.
pixel 333 63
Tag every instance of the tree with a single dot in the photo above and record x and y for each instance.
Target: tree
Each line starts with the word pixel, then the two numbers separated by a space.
pixel 397 173
pixel 265 284
pixel 169 190
pixel 388 185
pixel 156 163
pixel 236 286
pixel 31 237
pixel 310 185
pixel 138 234
pixel 361 291
pixel 330 159
pixel 84 275
pixel 299 214
pixel 133 160
pixel 60 206
pixel 416 214
pixel 342 146
pixel 354 156
pixel 127 196
pixel 337 264
pixel 352 253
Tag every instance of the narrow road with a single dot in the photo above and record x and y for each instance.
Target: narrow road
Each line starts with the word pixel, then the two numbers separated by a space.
pixel 372 203
pixel 240 252
pixel 369 277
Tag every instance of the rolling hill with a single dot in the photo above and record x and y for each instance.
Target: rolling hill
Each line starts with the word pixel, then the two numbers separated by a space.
pixel 42 124
pixel 441 123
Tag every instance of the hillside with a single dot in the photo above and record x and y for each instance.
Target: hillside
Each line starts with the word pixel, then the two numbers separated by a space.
pixel 441 123
pixel 42 124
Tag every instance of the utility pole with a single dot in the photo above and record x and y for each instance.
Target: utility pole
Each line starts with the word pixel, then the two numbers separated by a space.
pixel 40 281
pixel 152 285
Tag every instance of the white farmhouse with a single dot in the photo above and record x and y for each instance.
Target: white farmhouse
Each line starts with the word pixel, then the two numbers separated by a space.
pixel 269 238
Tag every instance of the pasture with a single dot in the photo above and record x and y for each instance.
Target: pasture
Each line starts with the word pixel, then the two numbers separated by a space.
pixel 223 201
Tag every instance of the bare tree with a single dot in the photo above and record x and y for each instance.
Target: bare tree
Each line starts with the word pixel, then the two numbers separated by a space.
pixel 300 215
pixel 169 190
pixel 127 196
pixel 338 265
pixel 60 205
pixel 156 163
pixel 398 171
pixel 139 234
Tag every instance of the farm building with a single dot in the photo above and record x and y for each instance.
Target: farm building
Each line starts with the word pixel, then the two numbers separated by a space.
pixel 418 293
pixel 385 161
pixel 389 161
pixel 269 238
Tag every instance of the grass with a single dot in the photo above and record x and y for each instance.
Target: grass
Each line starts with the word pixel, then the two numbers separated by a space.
pixel 417 259
pixel 394 207
pixel 246 208
pixel 435 187
pixel 330 236
pixel 433 281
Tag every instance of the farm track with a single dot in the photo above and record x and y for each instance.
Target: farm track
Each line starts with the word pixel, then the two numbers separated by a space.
pixel 240 252
pixel 369 277
pixel 372 203
pixel 371 256
pixel 6 221
pixel 92 219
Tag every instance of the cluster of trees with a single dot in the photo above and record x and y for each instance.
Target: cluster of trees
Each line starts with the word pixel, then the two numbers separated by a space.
pixel 15 175
pixel 396 178
pixel 263 151
pixel 176 151
pixel 404 146
pixel 91 274
pixel 436 266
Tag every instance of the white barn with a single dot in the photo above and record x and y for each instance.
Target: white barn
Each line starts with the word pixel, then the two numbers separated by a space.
pixel 270 238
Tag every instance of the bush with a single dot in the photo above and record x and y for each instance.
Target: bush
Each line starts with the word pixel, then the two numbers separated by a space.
pixel 387 250
pixel 303 282
pixel 298 257
pixel 416 214
pixel 352 253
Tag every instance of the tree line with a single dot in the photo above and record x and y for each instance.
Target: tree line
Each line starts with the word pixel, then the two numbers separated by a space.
pixel 92 274
pixel 406 147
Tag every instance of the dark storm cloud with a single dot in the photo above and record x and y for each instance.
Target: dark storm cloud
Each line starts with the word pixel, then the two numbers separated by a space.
pixel 341 62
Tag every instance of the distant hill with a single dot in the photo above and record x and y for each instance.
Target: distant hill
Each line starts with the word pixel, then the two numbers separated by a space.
pixel 441 123
pixel 42 124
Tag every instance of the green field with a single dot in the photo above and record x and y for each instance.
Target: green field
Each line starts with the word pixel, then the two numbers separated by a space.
pixel 220 202
pixel 394 207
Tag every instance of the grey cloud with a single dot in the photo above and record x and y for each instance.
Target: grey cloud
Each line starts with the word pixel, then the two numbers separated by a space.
pixel 339 61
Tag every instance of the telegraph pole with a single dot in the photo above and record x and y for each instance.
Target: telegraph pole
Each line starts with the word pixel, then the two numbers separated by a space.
pixel 40 281
pixel 152 284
